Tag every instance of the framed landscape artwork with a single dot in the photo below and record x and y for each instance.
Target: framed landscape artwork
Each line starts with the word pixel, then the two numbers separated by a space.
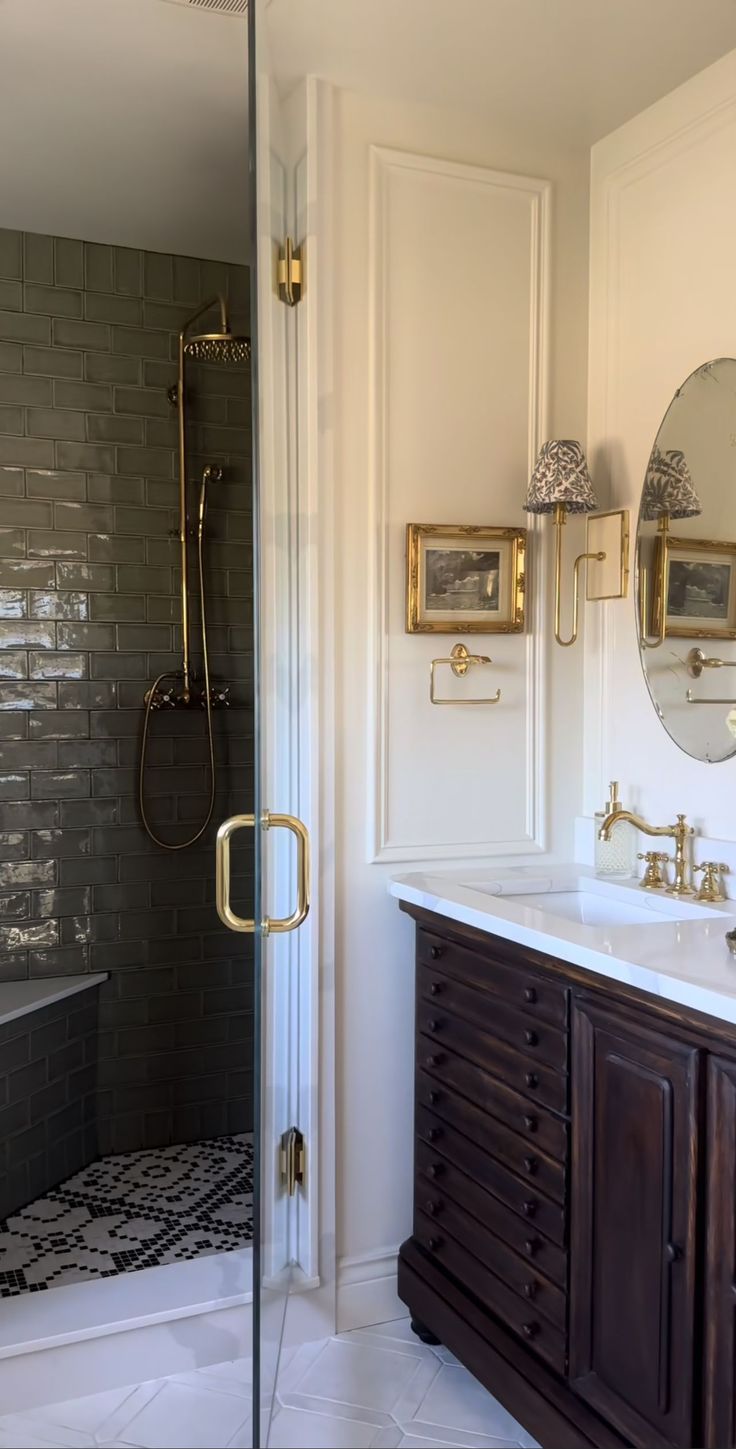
pixel 701 589
pixel 465 579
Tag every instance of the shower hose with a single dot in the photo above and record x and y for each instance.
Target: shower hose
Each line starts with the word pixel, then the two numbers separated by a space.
pixel 152 695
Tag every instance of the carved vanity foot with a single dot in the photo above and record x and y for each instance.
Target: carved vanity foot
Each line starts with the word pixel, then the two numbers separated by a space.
pixel 425 1335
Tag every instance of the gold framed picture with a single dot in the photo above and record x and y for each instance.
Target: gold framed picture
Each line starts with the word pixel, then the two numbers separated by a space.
pixel 701 588
pixel 464 579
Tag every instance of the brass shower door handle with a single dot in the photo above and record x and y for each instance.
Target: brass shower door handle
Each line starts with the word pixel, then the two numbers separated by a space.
pixel 268 926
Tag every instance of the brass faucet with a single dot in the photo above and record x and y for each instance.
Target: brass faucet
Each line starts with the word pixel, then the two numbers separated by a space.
pixel 679 833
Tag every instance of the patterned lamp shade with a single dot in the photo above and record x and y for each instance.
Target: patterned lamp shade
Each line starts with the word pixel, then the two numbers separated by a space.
pixel 668 487
pixel 560 476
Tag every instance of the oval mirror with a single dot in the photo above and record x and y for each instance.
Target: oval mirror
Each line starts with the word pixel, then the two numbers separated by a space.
pixel 686 565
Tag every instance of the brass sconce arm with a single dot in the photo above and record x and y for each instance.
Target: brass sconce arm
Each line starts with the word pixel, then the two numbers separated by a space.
pixel 561 484
pixel 560 521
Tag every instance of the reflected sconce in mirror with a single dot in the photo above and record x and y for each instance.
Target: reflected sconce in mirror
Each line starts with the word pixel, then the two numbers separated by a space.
pixel 668 493
pixel 561 484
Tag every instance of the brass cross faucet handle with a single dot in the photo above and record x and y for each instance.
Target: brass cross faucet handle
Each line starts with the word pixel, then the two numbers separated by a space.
pixel 679 833
pixel 710 889
pixel 654 878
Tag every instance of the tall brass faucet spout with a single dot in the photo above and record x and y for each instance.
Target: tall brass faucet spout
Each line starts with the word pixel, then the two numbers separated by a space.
pixel 679 833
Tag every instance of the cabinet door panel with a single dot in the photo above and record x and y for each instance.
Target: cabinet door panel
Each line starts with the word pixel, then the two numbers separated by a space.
pixel 720 1253
pixel 635 1110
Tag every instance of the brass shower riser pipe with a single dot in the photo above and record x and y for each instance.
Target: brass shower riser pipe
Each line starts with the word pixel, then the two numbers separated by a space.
pixel 218 302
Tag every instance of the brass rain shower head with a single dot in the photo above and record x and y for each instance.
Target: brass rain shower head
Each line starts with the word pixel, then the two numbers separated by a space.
pixel 218 347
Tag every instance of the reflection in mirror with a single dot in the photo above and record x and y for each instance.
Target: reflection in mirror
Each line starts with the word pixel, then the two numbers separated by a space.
pixel 686 563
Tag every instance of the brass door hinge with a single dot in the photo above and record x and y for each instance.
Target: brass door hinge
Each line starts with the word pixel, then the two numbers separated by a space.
pixel 292 1157
pixel 289 274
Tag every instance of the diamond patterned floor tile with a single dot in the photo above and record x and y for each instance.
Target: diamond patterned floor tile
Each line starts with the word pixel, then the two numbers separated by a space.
pixel 375 1388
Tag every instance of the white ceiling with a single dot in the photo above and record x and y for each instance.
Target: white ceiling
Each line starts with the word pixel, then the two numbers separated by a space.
pixel 577 68
pixel 125 121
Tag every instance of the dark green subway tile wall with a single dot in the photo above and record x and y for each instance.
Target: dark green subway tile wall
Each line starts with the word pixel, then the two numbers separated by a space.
pixel 89 614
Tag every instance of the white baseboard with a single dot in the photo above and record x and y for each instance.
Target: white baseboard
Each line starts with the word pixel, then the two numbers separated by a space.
pixel 366 1290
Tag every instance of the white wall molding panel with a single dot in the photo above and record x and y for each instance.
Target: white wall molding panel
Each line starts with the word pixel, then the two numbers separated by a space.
pixel 458 284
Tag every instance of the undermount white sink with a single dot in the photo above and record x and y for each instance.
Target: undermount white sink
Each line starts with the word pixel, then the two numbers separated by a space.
pixel 591 902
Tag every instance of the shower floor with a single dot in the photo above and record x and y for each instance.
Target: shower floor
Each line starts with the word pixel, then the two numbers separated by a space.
pixel 136 1210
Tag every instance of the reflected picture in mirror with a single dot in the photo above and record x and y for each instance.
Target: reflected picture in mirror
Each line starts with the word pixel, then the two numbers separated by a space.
pixel 701 592
pixel 686 564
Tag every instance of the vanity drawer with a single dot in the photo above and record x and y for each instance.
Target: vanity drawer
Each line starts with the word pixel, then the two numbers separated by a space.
pixel 533 1123
pixel 492 1136
pixel 440 1216
pixel 533 1079
pixel 536 1039
pixel 514 1311
pixel 520 986
pixel 493 1215
pixel 437 1145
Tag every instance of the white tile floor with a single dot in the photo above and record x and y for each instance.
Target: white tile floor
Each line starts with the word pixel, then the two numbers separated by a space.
pixel 375 1387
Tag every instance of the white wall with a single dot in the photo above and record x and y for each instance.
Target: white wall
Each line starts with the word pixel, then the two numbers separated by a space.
pixel 662 301
pixel 443 393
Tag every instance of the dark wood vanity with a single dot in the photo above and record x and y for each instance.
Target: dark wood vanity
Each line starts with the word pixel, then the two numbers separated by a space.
pixel 574 1237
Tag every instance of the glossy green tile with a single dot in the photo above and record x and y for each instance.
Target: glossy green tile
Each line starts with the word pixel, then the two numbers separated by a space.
pixel 38 257
pixel 52 301
pixel 11 253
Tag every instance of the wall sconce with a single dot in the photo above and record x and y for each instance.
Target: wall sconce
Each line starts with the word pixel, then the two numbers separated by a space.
pixel 668 493
pixel 561 484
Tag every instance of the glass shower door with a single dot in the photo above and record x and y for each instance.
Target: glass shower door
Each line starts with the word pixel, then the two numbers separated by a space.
pixel 280 839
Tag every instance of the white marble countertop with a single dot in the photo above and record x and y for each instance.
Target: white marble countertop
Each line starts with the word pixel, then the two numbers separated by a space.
pixel 682 960
pixel 17 998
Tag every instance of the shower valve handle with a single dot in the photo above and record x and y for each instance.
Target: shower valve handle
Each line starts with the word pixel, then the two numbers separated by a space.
pixel 160 699
pixel 219 697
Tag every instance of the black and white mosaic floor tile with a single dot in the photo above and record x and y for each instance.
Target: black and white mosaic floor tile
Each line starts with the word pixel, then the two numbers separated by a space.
pixel 137 1210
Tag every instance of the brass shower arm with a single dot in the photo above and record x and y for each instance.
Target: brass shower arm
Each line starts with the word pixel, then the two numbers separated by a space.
pixel 217 301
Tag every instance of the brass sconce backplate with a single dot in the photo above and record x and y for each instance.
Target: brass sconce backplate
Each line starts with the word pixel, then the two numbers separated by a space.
pixel 607 534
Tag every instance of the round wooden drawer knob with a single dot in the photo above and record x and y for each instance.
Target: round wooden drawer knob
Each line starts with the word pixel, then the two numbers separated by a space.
pixel 674 1252
pixel 436 953
pixel 530 995
pixel 434 1024
pixel 434 1098
pixel 530 1289
pixel 434 1134
pixel 434 1244
pixel 530 1330
pixel 531 1246
pixel 531 1123
pixel 435 1169
pixel 531 1165
pixel 433 1208
pixel 531 1038
pixel 435 988
pixel 436 1060
pixel 529 1208
pixel 532 1080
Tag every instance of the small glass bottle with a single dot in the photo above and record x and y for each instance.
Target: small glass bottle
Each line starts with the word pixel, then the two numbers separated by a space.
pixel 617 855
